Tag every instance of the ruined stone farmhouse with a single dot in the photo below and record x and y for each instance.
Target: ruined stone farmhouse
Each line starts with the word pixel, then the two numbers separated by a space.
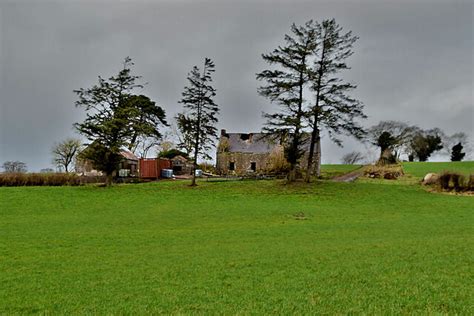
pixel 241 153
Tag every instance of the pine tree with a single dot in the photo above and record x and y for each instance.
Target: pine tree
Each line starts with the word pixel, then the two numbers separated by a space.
pixel 285 86
pixel 115 118
pixel 456 152
pixel 334 109
pixel 200 112
pixel 146 119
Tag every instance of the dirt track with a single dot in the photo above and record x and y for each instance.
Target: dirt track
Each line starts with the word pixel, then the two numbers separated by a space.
pixel 349 177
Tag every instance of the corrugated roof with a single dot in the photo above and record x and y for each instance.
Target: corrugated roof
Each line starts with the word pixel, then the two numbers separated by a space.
pixel 179 157
pixel 128 155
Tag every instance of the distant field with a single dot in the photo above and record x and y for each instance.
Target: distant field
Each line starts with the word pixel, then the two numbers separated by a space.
pixel 248 247
pixel 420 169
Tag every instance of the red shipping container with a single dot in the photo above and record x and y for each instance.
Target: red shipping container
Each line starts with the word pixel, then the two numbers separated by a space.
pixel 150 168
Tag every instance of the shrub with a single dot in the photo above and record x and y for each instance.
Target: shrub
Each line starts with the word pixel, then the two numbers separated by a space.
pixel 454 181
pixel 46 179
pixel 170 154
pixel 390 172
pixel 470 184
pixel 207 167
pixel 277 162
pixel 223 146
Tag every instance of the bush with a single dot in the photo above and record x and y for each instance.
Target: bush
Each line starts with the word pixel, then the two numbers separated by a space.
pixel 390 172
pixel 170 154
pixel 470 184
pixel 454 181
pixel 45 179
pixel 207 167
pixel 277 163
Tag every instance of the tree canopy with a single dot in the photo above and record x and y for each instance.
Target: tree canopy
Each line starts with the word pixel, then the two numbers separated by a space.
pixel 333 110
pixel 14 167
pixel 116 118
pixel 65 152
pixel 285 85
pixel 198 125
pixel 312 98
pixel 424 144
pixel 456 152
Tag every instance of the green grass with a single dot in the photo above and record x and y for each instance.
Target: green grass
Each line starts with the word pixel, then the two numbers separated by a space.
pixel 331 171
pixel 420 169
pixel 236 247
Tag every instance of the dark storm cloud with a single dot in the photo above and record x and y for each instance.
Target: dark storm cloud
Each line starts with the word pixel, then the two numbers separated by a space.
pixel 413 61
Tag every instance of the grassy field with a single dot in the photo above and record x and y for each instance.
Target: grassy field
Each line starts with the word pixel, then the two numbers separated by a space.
pixel 420 169
pixel 331 171
pixel 252 247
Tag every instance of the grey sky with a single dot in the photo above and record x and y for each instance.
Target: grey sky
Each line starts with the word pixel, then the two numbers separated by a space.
pixel 413 62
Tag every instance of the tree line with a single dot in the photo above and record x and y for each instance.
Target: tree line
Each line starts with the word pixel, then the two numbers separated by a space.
pixel 304 81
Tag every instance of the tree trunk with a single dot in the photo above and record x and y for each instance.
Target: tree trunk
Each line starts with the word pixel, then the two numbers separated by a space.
pixel 193 182
pixel 314 165
pixel 309 167
pixel 108 180
pixel 318 157
pixel 292 174
pixel 196 148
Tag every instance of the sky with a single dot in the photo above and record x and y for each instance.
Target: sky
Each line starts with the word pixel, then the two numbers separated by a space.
pixel 413 61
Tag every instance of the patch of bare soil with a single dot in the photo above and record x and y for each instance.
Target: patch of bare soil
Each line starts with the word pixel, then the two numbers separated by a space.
pixel 349 177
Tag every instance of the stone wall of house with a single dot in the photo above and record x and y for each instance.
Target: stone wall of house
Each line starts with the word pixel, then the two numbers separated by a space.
pixel 242 162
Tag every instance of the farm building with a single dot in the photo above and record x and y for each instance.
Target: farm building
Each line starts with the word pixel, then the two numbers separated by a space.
pixel 181 165
pixel 128 166
pixel 240 153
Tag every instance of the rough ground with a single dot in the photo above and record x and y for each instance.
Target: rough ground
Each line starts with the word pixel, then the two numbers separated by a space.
pixel 349 177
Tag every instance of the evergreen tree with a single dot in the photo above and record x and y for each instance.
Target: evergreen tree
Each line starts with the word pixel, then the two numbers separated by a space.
pixel 185 137
pixel 333 110
pixel 146 119
pixel 456 152
pixel 115 118
pixel 200 112
pixel 424 143
pixel 285 86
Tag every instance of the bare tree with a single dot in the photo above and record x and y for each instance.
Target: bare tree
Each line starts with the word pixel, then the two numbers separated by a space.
pixel 47 170
pixel 400 134
pixel 64 153
pixel 14 167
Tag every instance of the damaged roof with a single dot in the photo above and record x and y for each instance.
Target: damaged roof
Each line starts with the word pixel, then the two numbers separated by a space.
pixel 258 143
